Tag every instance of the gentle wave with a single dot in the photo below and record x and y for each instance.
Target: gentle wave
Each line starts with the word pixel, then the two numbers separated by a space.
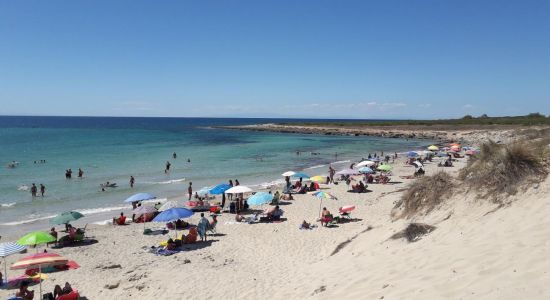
pixel 89 211
pixel 166 182
pixel 8 204
pixel 27 221
pixel 341 161
pixel 315 167
pixel 23 188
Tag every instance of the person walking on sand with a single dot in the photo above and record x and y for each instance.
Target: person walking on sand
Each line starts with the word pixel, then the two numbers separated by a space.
pixel 132 181
pixel 42 189
pixel 190 190
pixel 33 190
pixel 167 169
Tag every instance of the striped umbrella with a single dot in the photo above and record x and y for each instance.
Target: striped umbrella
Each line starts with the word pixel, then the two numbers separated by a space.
pixel 7 249
pixel 39 260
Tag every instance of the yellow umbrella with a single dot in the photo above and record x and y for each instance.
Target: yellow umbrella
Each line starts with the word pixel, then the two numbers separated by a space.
pixel 318 179
pixel 433 148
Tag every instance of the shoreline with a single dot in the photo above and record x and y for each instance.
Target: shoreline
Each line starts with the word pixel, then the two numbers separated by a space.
pixel 442 133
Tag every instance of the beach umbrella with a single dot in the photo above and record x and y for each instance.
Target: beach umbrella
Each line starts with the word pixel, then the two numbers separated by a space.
pixel 366 170
pixel 144 209
pixel 139 197
pixel 323 195
pixel 374 159
pixel 288 173
pixel 66 217
pixel 7 249
pixel 219 189
pixel 385 168
pixel 455 145
pixel 36 238
pixel 204 191
pixel 418 164
pixel 39 260
pixel 365 163
pixel 240 189
pixel 171 204
pixel 318 179
pixel 172 215
pixel 301 175
pixel 259 198
pixel 347 172
pixel 412 154
pixel 433 148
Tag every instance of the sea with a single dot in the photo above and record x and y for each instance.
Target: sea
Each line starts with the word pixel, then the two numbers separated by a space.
pixel 114 148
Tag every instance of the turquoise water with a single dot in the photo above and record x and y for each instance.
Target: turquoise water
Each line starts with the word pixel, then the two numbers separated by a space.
pixel 113 149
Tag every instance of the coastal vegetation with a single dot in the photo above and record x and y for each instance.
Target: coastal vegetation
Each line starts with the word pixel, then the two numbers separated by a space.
pixel 531 119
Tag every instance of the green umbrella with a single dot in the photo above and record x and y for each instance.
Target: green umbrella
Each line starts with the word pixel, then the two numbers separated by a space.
pixel 385 168
pixel 36 238
pixel 66 217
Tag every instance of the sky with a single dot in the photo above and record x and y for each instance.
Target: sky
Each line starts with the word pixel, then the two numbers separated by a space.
pixel 297 59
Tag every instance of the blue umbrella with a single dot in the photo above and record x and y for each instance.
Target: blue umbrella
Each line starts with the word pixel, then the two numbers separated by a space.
pixel 173 214
pixel 139 197
pixel 366 170
pixel 301 175
pixel 219 189
pixel 259 198
pixel 7 249
pixel 412 154
pixel 442 154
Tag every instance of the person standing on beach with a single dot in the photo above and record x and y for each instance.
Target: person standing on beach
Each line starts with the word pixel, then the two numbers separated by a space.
pixel 33 190
pixel 203 227
pixel 167 169
pixel 132 181
pixel 331 173
pixel 80 173
pixel 230 196
pixel 42 189
pixel 190 190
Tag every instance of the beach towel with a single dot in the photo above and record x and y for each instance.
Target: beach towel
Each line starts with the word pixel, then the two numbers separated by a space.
pixel 164 252
pixel 311 226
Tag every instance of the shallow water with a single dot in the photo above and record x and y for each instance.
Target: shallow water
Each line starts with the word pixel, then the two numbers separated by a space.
pixel 112 149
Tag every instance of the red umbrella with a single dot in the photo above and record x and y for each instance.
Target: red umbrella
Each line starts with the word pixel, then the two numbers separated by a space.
pixel 41 260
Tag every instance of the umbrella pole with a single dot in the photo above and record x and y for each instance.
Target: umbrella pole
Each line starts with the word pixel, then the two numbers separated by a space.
pixel 40 278
pixel 5 271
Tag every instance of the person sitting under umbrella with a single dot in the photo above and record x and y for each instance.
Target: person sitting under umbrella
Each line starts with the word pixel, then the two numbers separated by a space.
pixel 24 292
pixel 274 214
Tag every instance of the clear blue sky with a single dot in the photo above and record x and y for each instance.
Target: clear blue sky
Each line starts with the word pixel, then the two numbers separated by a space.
pixel 356 59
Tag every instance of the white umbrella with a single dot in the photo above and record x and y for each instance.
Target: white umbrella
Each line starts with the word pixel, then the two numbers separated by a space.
pixel 171 204
pixel 347 172
pixel 418 164
pixel 240 189
pixel 364 163
pixel 288 173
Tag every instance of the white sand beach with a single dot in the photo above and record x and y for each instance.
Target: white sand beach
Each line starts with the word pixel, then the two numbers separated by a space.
pixel 476 252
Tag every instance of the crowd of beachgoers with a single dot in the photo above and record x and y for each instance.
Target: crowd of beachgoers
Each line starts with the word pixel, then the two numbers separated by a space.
pixel 199 218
